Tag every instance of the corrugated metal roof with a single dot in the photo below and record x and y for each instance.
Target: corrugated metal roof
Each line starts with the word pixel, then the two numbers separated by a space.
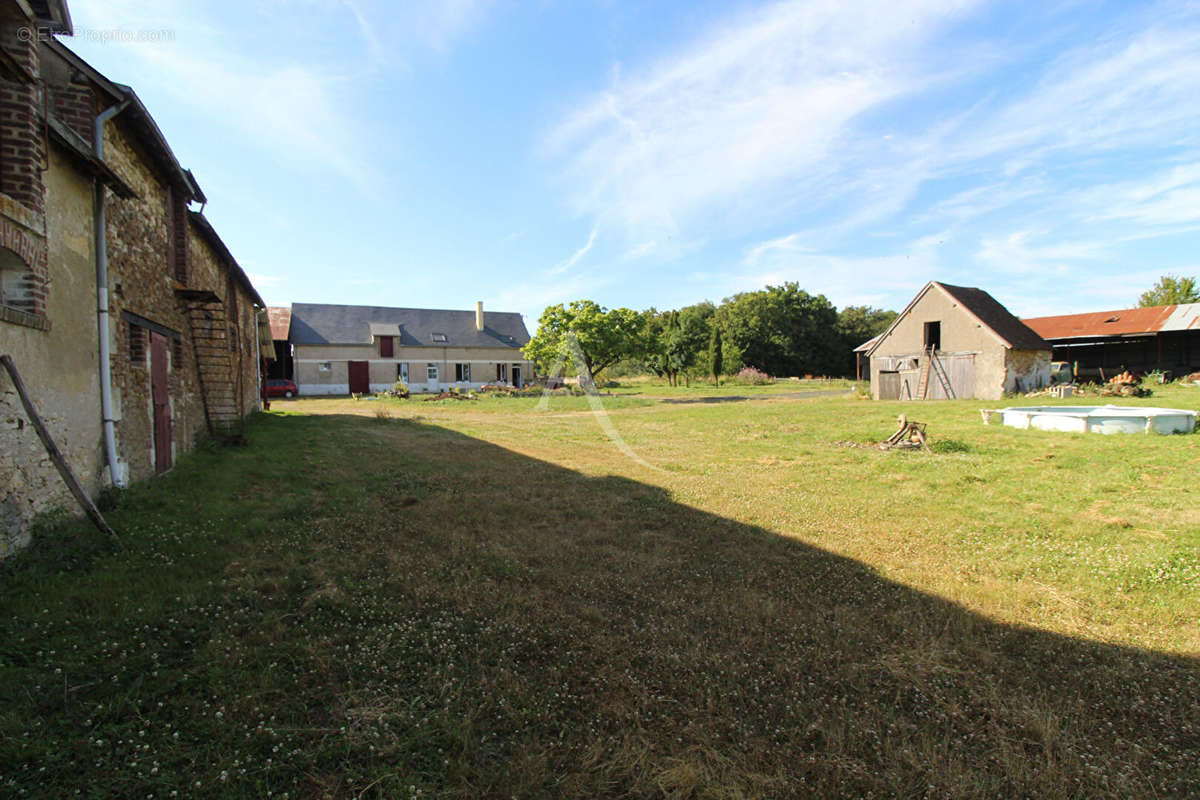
pixel 867 345
pixel 281 321
pixel 317 323
pixel 1122 322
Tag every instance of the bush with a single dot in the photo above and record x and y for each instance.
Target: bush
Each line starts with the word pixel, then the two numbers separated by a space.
pixel 750 376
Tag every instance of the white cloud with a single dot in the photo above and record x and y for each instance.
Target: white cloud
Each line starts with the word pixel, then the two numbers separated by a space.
pixel 577 256
pixel 1015 253
pixel 741 118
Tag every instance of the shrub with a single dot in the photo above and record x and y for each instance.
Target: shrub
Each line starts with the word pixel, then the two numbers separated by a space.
pixel 753 377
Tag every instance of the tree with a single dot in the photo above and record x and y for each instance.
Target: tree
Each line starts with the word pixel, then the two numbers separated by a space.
pixel 1171 290
pixel 686 334
pixel 781 330
pixel 604 337
pixel 714 354
pixel 858 324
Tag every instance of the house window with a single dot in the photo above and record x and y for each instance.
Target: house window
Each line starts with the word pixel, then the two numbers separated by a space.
pixel 431 371
pixel 933 335
pixel 137 345
pixel 502 373
pixel 441 338
pixel 324 366
pixel 385 347
pixel 462 373
pixel 402 372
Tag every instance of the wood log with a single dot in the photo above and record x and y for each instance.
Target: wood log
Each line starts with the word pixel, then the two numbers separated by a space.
pixel 64 469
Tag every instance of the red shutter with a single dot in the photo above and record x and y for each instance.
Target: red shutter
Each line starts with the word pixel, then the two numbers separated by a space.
pixel 385 346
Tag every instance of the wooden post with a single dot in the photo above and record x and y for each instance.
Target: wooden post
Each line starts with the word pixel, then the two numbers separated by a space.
pixel 64 469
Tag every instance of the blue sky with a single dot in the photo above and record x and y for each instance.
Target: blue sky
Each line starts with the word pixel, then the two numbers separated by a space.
pixel 436 153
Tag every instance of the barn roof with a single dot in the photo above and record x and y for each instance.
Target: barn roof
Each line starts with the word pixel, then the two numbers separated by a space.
pixel 318 323
pixel 1123 322
pixel 281 321
pixel 986 309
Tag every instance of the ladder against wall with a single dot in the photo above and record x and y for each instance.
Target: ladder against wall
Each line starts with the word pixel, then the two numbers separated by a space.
pixel 932 365
pixel 216 370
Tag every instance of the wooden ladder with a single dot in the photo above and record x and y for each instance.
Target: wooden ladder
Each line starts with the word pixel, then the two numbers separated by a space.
pixel 939 369
pixel 923 378
pixel 215 369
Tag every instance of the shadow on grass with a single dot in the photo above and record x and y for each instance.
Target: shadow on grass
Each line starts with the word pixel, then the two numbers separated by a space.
pixel 457 617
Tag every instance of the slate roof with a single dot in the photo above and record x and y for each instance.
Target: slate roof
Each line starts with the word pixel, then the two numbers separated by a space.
pixel 318 323
pixel 1018 335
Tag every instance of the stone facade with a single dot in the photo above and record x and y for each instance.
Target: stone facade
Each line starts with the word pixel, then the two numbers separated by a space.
pixel 163 259
pixel 58 366
pixel 324 369
pixel 47 317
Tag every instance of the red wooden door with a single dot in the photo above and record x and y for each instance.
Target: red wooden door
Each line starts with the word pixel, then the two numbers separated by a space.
pixel 360 377
pixel 162 402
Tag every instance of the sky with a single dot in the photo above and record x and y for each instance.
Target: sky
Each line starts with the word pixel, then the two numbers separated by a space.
pixel 431 154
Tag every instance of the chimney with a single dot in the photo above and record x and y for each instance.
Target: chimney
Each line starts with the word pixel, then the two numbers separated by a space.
pixel 479 316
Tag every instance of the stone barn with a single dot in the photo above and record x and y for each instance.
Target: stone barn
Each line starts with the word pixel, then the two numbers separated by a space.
pixel 956 342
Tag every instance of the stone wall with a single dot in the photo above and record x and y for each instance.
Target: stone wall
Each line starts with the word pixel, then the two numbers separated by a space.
pixel 58 366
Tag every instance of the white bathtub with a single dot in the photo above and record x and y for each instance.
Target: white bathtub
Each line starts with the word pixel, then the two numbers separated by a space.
pixel 1099 419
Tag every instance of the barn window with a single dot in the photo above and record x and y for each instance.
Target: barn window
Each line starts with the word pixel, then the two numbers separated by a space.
pixel 17 283
pixel 137 345
pixel 385 346
pixel 933 335
pixel 462 372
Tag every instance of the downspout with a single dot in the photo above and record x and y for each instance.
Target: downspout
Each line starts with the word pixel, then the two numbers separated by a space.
pixel 115 471
pixel 258 359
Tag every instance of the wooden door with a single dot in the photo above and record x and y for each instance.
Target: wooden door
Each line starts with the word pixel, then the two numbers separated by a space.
pixel 360 377
pixel 161 399
pixel 888 383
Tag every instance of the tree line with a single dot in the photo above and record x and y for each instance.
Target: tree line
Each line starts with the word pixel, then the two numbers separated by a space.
pixel 780 330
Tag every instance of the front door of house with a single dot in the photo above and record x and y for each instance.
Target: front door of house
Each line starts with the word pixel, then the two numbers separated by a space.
pixel 516 373
pixel 360 377
pixel 161 400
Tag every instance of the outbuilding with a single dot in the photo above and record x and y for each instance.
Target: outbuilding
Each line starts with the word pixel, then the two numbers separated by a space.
pixel 956 342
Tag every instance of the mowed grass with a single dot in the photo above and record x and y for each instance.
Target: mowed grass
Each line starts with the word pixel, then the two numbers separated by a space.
pixel 481 599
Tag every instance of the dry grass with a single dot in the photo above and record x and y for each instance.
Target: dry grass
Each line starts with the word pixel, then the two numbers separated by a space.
pixel 482 600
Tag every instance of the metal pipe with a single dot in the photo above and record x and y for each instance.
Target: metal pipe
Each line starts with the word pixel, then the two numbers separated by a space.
pixel 115 471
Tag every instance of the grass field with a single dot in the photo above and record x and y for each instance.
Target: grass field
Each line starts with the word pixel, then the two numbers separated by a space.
pixel 481 599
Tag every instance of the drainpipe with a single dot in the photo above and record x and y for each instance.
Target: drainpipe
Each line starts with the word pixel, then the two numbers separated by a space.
pixel 115 471
pixel 258 359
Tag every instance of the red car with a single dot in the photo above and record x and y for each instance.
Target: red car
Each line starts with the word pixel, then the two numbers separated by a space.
pixel 281 387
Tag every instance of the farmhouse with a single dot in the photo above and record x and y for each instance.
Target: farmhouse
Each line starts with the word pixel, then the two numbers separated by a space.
pixel 1101 343
pixel 955 342
pixel 360 349
pixel 129 321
